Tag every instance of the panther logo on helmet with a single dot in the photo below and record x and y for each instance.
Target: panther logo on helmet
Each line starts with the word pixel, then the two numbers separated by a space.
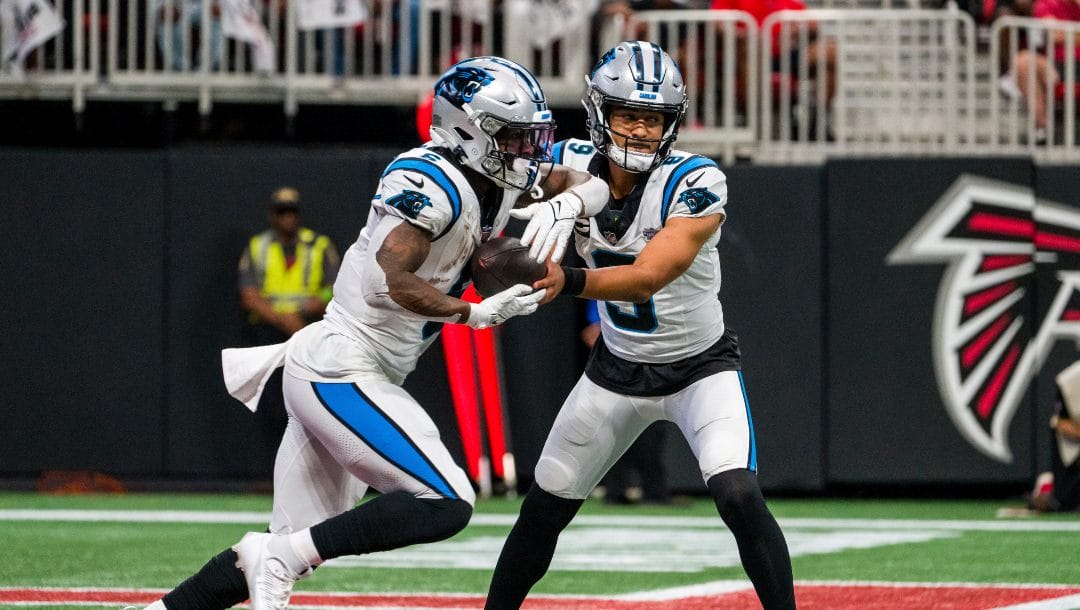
pixel 492 116
pixel 605 59
pixel 461 85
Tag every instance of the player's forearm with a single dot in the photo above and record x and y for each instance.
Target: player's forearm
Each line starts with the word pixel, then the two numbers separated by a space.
pixel 423 299
pixel 393 279
pixel 667 256
pixel 623 283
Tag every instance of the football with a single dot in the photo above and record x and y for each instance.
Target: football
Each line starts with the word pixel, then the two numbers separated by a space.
pixel 501 262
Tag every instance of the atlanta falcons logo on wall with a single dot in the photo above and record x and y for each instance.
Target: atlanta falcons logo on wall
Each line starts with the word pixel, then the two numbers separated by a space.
pixel 987 343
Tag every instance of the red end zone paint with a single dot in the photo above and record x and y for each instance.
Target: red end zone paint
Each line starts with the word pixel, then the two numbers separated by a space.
pixel 809 597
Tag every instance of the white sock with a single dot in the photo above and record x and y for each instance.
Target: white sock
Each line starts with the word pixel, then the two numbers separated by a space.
pixel 297 550
pixel 158 605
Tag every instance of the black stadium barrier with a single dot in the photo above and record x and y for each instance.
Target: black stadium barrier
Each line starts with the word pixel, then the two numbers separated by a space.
pixel 839 281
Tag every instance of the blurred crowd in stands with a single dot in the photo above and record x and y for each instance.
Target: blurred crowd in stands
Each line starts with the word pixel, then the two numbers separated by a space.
pixel 379 38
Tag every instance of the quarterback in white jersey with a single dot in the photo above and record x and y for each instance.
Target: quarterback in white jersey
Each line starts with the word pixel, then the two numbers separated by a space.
pixel 664 352
pixel 351 425
pixel 684 317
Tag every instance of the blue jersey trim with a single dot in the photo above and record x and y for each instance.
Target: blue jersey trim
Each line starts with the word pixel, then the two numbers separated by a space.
pixel 592 311
pixel 751 458
pixel 557 152
pixel 438 176
pixel 677 175
pixel 348 404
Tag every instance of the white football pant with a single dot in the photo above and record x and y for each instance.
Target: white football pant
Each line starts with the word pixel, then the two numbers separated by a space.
pixel 342 438
pixel 595 427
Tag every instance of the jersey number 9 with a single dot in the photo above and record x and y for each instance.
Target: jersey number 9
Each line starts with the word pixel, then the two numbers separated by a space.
pixel 643 320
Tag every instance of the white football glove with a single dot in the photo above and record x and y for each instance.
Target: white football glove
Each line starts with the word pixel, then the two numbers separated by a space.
pixel 550 224
pixel 517 300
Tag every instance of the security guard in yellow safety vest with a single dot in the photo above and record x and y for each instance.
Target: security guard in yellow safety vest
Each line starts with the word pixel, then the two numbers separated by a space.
pixel 286 273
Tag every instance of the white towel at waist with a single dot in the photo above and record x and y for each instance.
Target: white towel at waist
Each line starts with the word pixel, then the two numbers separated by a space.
pixel 247 369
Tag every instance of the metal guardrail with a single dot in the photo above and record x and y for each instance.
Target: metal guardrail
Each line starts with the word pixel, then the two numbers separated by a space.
pixel 1030 46
pixel 887 81
pixel 125 50
pixel 868 82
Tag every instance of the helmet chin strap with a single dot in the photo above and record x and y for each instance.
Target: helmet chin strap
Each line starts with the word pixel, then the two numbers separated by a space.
pixel 631 161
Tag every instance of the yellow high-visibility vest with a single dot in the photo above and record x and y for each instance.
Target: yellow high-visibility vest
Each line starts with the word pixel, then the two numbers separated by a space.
pixel 288 287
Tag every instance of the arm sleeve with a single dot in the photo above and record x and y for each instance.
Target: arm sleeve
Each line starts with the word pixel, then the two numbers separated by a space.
pixel 701 192
pixel 419 200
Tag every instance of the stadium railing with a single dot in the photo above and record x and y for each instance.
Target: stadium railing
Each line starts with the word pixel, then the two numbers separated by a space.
pixel 905 81
pixel 1014 131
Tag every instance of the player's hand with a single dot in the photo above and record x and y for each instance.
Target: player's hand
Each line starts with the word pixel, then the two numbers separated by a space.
pixel 550 224
pixel 517 300
pixel 552 283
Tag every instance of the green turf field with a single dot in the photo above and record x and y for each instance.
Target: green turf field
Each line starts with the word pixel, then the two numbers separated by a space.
pixel 153 541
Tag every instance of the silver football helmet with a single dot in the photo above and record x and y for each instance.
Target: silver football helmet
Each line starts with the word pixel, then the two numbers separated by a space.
pixel 638 75
pixel 492 114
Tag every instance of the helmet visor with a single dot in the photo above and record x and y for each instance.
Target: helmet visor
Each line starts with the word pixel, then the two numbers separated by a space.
pixel 531 141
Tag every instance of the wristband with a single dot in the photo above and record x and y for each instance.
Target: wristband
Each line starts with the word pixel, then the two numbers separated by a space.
pixel 574 283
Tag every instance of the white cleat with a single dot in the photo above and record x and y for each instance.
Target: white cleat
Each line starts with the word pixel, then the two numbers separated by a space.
pixel 269 580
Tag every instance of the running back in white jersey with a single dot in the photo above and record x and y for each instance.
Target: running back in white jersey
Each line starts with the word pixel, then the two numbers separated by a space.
pixel 684 318
pixel 425 189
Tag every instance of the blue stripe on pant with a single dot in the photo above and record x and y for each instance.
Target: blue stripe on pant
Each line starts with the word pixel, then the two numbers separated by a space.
pixel 359 413
pixel 751 459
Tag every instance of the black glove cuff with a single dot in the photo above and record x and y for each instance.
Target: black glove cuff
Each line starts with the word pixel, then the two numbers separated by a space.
pixel 575 280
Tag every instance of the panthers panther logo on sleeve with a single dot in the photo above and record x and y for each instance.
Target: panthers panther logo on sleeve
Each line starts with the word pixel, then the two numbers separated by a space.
pixel 410 203
pixel 698 199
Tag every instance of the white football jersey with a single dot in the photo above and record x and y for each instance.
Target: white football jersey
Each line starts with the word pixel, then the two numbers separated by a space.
pixel 684 318
pixel 422 188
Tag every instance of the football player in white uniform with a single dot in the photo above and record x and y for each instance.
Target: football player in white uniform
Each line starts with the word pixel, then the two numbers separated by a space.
pixel 664 352
pixel 351 425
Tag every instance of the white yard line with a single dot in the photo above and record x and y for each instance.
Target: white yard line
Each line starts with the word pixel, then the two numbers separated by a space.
pixel 249 517
pixel 932 585
pixel 716 587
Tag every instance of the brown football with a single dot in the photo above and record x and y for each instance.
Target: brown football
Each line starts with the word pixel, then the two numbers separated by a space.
pixel 501 262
